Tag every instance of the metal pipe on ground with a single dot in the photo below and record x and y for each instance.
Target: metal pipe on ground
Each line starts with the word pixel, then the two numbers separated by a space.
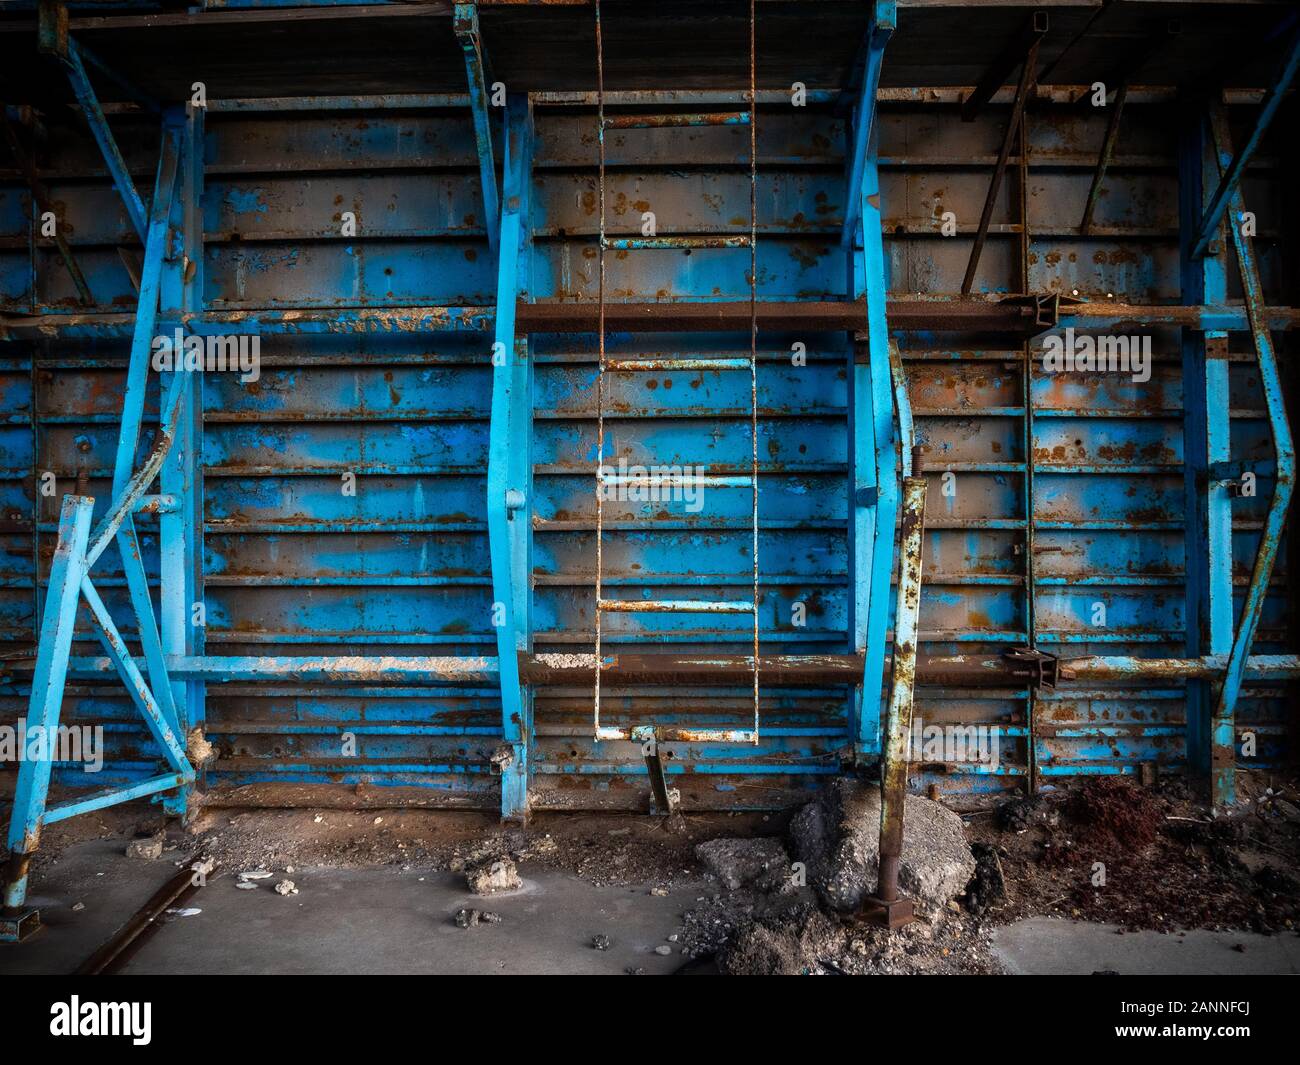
pixel 140 925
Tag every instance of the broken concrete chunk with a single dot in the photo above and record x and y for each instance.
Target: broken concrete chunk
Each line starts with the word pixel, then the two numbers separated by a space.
pixel 840 846
pixel 246 885
pixel 663 951
pixel 600 942
pixel 147 849
pixel 492 875
pixel 738 863
pixel 256 874
pixel 286 887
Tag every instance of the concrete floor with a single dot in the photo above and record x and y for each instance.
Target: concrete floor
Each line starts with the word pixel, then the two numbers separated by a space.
pixel 1052 947
pixel 368 921
pixel 383 920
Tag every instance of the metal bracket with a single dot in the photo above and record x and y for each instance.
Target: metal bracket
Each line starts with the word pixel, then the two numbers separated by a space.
pixel 20 926
pixel 1041 670
pixel 665 800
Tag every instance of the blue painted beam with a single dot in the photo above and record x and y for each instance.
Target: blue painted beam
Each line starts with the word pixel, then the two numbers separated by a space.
pixel 48 681
pixel 884 21
pixel 151 280
pixel 103 135
pixel 465 23
pixel 874 559
pixel 134 681
pixel 509 475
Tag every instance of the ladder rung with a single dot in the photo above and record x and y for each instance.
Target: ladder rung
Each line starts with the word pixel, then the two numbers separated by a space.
pixel 716 363
pixel 680 735
pixel 641 243
pixel 703 480
pixel 676 606
pixel 694 118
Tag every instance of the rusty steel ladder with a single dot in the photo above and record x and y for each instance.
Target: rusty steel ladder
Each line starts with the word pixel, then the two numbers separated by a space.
pixel 606 479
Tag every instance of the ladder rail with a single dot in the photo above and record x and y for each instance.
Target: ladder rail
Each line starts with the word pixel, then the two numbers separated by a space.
pixel 753 323
pixel 600 372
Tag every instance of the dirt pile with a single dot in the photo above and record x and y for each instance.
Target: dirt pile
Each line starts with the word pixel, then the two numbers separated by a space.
pixel 1116 852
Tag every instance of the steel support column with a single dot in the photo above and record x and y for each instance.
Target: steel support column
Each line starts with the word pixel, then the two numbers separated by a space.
pixel 181 526
pixel 1208 539
pixel 1223 743
pixel 874 484
pixel 509 479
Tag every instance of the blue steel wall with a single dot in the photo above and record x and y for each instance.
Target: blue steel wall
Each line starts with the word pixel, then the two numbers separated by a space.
pixel 294 566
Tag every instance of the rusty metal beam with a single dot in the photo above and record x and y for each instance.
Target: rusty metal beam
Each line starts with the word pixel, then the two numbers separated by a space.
pixel 1019 315
pixel 560 670
pixel 1029 37
pixel 1028 70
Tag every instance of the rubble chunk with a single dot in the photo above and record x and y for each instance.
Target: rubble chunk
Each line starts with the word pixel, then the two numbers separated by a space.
pixel 492 875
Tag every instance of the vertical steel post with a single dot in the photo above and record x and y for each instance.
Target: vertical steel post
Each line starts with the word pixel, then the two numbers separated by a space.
pixel 509 479
pixel 1208 532
pixel 181 528
pixel 886 905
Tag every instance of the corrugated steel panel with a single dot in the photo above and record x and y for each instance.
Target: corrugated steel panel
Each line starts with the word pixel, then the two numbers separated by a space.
pixel 294 566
